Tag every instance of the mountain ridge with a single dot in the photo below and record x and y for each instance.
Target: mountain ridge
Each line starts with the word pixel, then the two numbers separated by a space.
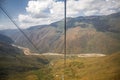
pixel 91 34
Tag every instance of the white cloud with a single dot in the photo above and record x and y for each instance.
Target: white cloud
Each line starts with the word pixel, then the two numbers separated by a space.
pixel 1 25
pixel 6 26
pixel 41 12
pixel 46 11
pixel 38 8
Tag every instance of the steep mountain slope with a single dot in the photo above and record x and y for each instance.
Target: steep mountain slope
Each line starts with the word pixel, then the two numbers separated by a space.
pixel 6 49
pixel 5 39
pixel 90 34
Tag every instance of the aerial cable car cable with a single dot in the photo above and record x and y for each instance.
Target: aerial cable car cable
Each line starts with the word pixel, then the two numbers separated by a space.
pixel 10 18
pixel 65 39
pixel 4 11
pixel 65 28
pixel 22 33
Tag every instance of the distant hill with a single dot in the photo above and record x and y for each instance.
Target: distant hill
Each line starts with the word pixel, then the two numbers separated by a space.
pixel 6 49
pixel 85 34
pixel 5 39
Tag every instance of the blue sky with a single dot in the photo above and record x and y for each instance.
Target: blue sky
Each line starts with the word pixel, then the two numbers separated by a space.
pixel 39 12
pixel 14 8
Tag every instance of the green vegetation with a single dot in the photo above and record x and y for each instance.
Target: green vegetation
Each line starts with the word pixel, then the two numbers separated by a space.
pixel 24 68
pixel 99 68
pixel 52 68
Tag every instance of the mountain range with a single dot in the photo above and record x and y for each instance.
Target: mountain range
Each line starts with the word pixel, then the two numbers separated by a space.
pixel 85 34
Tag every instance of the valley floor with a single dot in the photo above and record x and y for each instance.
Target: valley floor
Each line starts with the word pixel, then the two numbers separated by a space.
pixel 52 68
pixel 88 68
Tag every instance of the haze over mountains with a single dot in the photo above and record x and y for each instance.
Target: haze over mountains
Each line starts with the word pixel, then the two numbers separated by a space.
pixel 90 34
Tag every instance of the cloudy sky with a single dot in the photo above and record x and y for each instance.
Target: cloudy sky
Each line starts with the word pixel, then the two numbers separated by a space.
pixel 38 12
